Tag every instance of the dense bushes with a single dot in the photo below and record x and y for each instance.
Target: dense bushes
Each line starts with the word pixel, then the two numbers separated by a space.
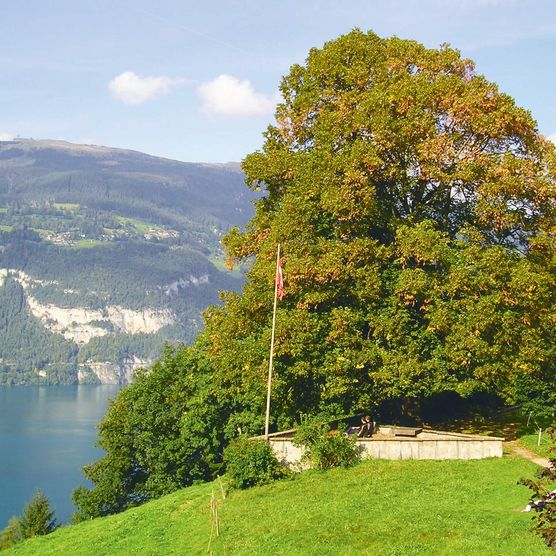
pixel 251 462
pixel 325 448
pixel 163 433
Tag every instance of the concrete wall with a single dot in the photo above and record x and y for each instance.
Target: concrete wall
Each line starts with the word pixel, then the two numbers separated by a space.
pixel 427 445
pixel 430 449
pixel 286 453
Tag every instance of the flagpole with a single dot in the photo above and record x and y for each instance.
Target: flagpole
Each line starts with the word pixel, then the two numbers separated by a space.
pixel 267 418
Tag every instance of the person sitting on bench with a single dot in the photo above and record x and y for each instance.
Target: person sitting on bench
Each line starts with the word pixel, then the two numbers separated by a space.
pixel 367 426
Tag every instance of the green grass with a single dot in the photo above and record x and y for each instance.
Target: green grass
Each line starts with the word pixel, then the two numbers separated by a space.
pixel 66 206
pixel 377 508
pixel 530 441
pixel 86 243
pixel 43 231
pixel 4 228
pixel 140 226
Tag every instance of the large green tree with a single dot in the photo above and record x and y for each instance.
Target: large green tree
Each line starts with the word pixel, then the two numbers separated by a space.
pixel 415 206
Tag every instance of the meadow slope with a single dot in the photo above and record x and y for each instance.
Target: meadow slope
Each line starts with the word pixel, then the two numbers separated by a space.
pixel 377 507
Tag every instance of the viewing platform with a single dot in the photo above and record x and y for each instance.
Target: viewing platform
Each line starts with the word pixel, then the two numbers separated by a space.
pixel 393 442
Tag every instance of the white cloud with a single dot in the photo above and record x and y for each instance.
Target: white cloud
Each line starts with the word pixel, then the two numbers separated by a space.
pixel 6 136
pixel 231 96
pixel 131 88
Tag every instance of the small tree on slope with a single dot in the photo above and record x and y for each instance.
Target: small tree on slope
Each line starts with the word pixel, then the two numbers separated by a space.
pixel 12 534
pixel 38 517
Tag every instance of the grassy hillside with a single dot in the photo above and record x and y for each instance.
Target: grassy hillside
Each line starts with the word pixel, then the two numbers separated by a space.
pixel 530 441
pixel 378 508
pixel 68 177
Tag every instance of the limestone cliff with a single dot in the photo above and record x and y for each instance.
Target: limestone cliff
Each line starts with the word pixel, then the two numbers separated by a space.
pixel 79 325
pixel 107 372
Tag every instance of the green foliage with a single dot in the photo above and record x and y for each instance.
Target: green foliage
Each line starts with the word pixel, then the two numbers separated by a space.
pixel 543 497
pixel 251 463
pixel 37 517
pixel 325 448
pixel 12 534
pixel 162 433
pixel 27 347
pixel 414 204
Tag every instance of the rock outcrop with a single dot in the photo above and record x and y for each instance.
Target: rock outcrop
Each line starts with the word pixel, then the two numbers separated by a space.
pixel 80 324
pixel 107 372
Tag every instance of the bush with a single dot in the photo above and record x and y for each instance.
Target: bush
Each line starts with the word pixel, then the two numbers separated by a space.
pixel 162 433
pixel 325 448
pixel 251 462
pixel 543 498
pixel 12 534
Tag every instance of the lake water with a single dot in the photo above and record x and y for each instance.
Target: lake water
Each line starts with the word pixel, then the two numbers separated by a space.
pixel 47 433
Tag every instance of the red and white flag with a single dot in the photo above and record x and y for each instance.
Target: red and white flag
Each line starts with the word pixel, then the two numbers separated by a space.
pixel 279 280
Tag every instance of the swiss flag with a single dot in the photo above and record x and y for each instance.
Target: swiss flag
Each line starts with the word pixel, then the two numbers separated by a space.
pixel 279 280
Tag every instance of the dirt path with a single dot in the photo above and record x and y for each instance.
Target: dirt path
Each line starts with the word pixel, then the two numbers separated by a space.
pixel 527 454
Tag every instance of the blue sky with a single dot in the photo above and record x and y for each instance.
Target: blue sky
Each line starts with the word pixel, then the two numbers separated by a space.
pixel 197 81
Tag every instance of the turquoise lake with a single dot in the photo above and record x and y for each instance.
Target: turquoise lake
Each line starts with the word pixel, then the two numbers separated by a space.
pixel 47 433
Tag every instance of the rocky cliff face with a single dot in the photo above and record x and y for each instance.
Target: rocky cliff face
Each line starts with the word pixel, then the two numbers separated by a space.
pixel 80 325
pixel 107 372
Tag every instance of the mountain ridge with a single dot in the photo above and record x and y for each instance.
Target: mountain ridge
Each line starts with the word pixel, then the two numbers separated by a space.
pixel 28 143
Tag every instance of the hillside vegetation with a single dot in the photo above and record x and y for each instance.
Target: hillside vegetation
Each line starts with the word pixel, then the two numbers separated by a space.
pixel 377 507
pixel 415 208
pixel 108 254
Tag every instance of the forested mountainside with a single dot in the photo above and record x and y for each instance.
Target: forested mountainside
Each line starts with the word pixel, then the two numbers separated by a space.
pixel 105 255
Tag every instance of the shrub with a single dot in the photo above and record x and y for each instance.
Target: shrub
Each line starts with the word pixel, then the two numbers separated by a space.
pixel 325 448
pixel 543 498
pixel 162 433
pixel 251 462
pixel 12 534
